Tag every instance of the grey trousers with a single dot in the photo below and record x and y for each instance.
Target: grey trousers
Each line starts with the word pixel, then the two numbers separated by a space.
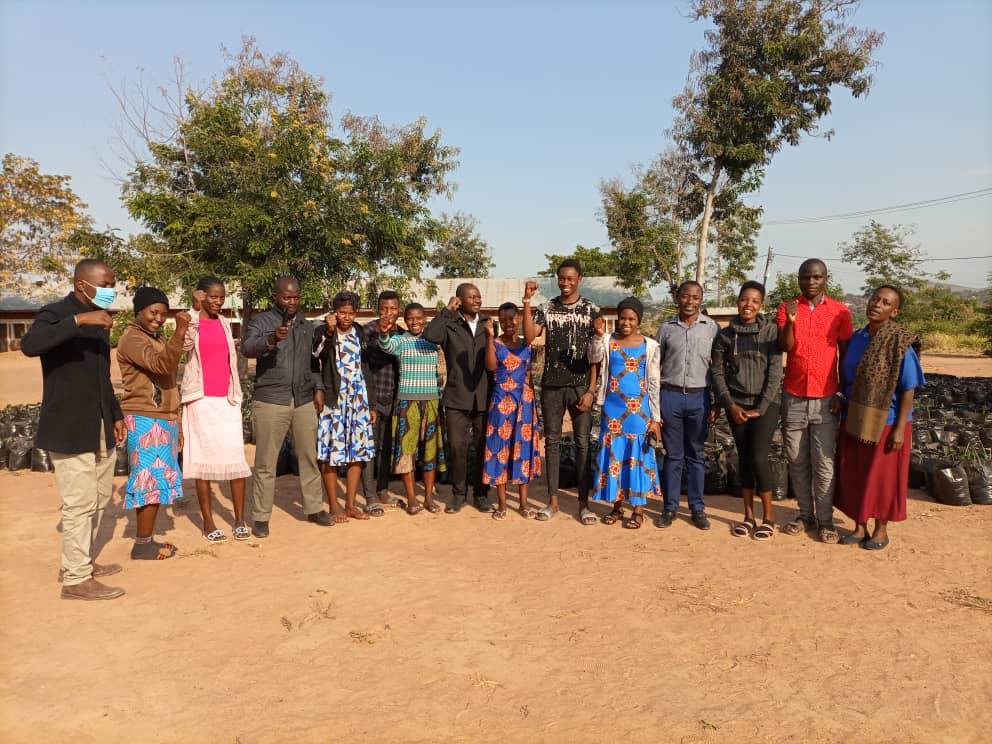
pixel 810 434
pixel 272 422
pixel 85 483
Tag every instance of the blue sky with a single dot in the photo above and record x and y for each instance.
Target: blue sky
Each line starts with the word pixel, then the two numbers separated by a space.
pixel 544 99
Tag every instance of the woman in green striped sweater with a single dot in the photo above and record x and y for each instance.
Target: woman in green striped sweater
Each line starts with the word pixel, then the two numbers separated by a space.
pixel 417 430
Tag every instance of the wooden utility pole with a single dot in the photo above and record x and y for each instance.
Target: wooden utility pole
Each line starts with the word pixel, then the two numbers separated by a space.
pixel 768 266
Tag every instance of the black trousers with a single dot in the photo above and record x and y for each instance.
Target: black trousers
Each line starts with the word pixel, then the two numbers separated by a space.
pixel 554 402
pixel 753 439
pixel 463 428
pixel 375 474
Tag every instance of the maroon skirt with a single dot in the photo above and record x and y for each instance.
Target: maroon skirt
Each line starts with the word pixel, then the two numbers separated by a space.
pixel 873 481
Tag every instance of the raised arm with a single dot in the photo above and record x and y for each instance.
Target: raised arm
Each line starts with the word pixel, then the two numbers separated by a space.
pixel 437 330
pixel 531 329
pixel 49 331
pixel 491 361
pixel 787 311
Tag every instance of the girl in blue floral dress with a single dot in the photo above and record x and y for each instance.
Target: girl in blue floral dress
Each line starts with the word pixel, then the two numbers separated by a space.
pixel 512 434
pixel 344 432
pixel 630 423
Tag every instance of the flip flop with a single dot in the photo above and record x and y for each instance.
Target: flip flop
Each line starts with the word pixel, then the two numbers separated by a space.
pixel 357 514
pixel 241 532
pixel 499 514
pixel 588 517
pixel 414 509
pixel 545 515
pixel 375 509
pixel 526 512
pixel 433 507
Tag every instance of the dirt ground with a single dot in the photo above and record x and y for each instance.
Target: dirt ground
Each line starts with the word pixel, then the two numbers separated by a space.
pixel 461 629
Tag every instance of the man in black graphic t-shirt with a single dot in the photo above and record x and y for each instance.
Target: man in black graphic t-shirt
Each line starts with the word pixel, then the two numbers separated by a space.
pixel 569 380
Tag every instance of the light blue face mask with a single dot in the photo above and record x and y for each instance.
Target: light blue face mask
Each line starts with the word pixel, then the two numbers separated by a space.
pixel 104 296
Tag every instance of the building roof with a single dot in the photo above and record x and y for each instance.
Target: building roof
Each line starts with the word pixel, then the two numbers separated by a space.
pixel 605 291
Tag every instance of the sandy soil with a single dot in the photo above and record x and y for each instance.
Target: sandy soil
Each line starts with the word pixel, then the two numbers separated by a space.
pixel 461 629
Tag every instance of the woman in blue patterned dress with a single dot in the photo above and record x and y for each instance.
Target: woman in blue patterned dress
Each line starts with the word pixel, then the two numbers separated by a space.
pixel 630 421
pixel 344 432
pixel 512 434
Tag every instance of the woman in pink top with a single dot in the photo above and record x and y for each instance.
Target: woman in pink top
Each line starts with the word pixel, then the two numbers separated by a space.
pixel 211 397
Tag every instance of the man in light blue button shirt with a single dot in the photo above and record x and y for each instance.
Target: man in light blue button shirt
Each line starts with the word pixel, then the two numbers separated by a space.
pixel 686 342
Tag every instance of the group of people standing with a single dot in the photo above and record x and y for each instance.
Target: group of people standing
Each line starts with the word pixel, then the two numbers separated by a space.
pixel 369 399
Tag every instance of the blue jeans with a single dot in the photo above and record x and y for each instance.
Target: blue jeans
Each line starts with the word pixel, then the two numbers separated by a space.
pixel 684 433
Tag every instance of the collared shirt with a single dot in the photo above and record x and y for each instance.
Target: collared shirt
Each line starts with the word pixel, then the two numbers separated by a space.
pixel 384 367
pixel 811 366
pixel 686 351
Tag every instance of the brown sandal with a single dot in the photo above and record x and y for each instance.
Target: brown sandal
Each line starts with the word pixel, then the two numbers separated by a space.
pixel 634 521
pixel 614 516
pixel 414 508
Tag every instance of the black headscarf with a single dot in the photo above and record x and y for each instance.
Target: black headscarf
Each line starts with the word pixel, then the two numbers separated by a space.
pixel 631 303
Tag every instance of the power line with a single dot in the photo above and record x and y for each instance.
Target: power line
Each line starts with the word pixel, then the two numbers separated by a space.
pixel 929 258
pixel 923 204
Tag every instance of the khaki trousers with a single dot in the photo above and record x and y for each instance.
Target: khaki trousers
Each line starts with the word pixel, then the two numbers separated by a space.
pixel 85 483
pixel 272 422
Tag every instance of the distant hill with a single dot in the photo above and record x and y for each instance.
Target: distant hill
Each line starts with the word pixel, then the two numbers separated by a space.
pixel 982 295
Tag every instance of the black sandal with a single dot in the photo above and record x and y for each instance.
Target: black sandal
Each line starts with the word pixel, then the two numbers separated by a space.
pixel 745 528
pixel 765 531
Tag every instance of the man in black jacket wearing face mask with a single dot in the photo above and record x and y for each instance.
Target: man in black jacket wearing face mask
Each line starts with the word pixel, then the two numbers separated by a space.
pixel 81 421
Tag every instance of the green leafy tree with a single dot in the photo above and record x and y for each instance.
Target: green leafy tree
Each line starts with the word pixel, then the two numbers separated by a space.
pixel 594 261
pixel 763 81
pixel 38 215
pixel 652 223
pixel 460 251
pixel 644 242
pixel 247 181
pixel 885 256
pixel 983 325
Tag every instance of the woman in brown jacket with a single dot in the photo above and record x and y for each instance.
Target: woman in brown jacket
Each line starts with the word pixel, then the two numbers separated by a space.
pixel 151 414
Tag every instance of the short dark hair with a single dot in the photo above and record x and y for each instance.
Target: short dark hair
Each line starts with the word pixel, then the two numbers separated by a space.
pixel 688 283
pixel 206 282
pixel 462 288
pixel 388 294
pixel 812 261
pixel 346 297
pixel 411 307
pixel 569 263
pixel 507 307
pixel 85 266
pixel 752 285
pixel 894 288
pixel 283 280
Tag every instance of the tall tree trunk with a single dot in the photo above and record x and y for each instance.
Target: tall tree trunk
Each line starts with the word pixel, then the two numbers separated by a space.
pixel 704 229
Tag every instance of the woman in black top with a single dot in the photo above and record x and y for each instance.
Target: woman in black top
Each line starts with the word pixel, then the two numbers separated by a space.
pixel 747 378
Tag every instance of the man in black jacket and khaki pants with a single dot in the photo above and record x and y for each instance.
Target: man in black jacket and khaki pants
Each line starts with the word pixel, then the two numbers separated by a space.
pixel 282 400
pixel 81 421
pixel 459 329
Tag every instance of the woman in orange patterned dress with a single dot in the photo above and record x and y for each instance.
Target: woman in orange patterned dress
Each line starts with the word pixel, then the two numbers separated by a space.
pixel 512 436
